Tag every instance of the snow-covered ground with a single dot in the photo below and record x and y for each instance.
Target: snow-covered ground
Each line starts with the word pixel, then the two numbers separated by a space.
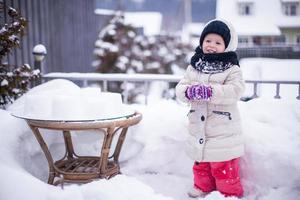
pixel 153 163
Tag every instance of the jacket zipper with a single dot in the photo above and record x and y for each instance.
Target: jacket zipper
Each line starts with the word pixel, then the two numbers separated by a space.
pixel 228 114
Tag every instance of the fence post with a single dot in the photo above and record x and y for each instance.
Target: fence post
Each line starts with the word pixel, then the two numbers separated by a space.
pixel 104 85
pixel 254 90
pixel 39 52
pixel 125 93
pixel 85 83
pixel 298 97
pixel 146 92
pixel 277 96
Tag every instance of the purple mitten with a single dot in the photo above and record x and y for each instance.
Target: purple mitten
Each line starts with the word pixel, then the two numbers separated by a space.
pixel 198 92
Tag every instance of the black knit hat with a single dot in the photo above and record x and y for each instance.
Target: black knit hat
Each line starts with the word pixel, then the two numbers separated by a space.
pixel 219 28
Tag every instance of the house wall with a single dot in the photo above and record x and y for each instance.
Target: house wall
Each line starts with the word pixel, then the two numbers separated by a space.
pixel 35 31
pixel 67 28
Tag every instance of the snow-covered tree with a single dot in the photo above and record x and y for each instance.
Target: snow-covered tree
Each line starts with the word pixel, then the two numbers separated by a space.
pixel 112 49
pixel 120 50
pixel 14 80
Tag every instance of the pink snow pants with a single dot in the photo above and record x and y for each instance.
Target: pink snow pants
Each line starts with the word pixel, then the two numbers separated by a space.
pixel 221 176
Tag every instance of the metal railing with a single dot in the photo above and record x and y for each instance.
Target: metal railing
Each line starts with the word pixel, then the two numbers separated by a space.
pixel 283 51
pixel 275 82
pixel 85 78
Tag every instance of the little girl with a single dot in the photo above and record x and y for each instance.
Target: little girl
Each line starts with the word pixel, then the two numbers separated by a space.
pixel 212 85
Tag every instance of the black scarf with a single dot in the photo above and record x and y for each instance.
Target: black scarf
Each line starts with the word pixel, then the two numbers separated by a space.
pixel 213 62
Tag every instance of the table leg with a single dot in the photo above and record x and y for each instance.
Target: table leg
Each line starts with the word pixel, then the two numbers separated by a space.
pixel 46 151
pixel 119 144
pixel 105 149
pixel 68 144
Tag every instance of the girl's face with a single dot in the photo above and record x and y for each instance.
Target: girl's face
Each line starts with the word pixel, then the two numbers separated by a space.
pixel 213 43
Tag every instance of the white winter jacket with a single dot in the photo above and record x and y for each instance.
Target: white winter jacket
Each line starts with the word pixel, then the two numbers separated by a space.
pixel 214 126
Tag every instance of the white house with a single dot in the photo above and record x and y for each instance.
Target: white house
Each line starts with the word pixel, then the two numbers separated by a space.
pixel 194 30
pixel 263 22
pixel 149 22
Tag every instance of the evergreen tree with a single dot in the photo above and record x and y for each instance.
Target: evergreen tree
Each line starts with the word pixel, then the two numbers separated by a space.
pixel 120 50
pixel 14 80
pixel 113 46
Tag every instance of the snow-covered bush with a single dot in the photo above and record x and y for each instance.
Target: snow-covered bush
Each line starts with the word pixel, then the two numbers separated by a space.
pixel 14 80
pixel 119 49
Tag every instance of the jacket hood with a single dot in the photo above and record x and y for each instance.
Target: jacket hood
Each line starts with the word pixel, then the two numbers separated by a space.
pixel 232 45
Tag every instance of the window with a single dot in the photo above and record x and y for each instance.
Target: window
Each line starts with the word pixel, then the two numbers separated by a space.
pixel 279 39
pixel 243 41
pixel 290 8
pixel 245 8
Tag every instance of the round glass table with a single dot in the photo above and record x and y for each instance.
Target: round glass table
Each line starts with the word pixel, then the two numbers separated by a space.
pixel 73 168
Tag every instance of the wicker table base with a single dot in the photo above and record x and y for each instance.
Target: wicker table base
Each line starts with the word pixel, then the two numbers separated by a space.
pixel 82 169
